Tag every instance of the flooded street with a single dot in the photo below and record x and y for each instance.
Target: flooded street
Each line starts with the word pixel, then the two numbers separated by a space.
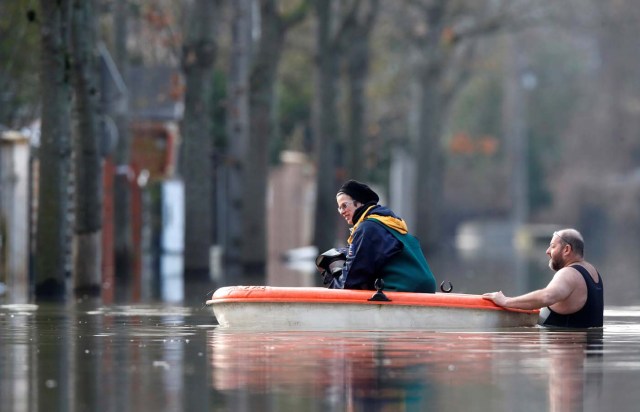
pixel 120 358
pixel 174 358
pixel 85 356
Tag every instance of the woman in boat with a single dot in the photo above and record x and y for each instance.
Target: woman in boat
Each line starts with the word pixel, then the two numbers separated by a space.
pixel 380 246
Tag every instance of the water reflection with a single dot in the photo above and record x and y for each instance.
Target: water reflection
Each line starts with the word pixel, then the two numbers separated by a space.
pixel 111 359
pixel 410 370
pixel 17 354
pixel 174 359
pixel 573 369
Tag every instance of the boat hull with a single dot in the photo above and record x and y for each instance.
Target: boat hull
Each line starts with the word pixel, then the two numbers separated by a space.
pixel 272 308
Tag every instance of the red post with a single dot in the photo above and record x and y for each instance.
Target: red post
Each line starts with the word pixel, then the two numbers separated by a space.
pixel 108 263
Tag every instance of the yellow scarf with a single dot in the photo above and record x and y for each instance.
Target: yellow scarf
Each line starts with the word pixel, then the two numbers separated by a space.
pixel 391 222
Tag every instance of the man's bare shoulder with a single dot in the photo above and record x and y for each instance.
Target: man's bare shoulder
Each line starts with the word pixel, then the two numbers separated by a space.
pixel 589 267
pixel 568 276
pixel 570 284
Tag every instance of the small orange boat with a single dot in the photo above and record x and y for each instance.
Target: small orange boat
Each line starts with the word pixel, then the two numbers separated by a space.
pixel 315 308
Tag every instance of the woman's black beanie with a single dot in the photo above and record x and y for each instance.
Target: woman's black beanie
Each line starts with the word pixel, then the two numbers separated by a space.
pixel 359 192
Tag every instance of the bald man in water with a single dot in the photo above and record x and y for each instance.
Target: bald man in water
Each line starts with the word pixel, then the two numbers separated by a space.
pixel 574 297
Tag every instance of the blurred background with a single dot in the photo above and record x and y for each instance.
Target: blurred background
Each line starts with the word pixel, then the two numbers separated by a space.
pixel 152 145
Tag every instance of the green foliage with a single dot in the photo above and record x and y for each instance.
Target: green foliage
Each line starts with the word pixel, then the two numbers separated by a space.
pixel 19 62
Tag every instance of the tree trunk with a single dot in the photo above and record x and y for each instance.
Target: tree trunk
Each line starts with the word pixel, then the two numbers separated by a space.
pixel 123 239
pixel 355 147
pixel 358 39
pixel 54 153
pixel 325 128
pixel 262 131
pixel 87 157
pixel 262 83
pixel 429 163
pixel 515 130
pixel 198 59
pixel 238 132
pixel 439 78
pixel 430 159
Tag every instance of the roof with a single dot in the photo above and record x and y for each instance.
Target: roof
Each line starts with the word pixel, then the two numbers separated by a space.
pixel 156 93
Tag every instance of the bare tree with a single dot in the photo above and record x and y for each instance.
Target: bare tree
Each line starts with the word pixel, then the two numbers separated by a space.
pixel 88 196
pixel 54 152
pixel 604 131
pixel 19 74
pixel 273 28
pixel 443 34
pixel 238 132
pixel 197 61
pixel 357 57
pixel 430 106
pixel 331 24
pixel 123 239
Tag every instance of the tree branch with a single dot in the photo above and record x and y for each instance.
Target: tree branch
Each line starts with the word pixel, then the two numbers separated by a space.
pixel 346 24
pixel 297 15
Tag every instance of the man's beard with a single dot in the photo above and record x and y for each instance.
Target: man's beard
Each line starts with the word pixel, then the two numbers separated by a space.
pixel 556 264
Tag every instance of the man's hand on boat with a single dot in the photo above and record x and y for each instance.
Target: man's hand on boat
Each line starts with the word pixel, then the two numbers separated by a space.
pixel 496 297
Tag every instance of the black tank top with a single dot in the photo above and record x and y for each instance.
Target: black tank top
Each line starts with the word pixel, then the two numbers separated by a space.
pixel 590 315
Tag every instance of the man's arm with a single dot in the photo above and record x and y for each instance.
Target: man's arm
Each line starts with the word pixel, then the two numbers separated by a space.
pixel 560 287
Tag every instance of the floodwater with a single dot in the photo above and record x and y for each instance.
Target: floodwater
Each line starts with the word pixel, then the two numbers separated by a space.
pixel 84 356
pixel 175 358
